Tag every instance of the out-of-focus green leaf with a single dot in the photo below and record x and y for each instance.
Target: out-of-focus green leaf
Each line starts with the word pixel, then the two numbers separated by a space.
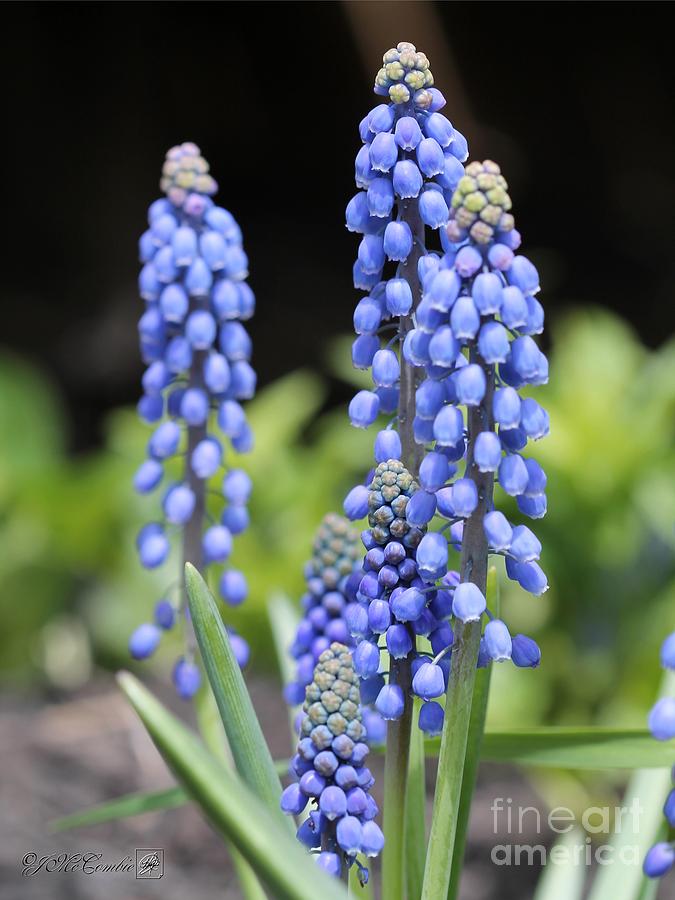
pixel 564 875
pixel 233 809
pixel 573 748
pixel 123 808
pixel 244 734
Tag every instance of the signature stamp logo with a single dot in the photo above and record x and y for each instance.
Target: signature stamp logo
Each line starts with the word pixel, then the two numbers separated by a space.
pixel 149 863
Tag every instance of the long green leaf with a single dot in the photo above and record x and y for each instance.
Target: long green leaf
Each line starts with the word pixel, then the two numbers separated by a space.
pixel 563 880
pixel 123 808
pixel 213 734
pixel 284 623
pixel 623 879
pixel 249 749
pixel 233 809
pixel 415 809
pixel 573 748
pixel 473 748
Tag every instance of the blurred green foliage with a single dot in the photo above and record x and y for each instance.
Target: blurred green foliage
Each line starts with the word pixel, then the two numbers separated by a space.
pixel 67 526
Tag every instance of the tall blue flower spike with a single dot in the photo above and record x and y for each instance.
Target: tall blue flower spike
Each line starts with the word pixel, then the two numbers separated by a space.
pixel 661 858
pixel 197 353
pixel 407 169
pixel 330 767
pixel 332 577
pixel 472 344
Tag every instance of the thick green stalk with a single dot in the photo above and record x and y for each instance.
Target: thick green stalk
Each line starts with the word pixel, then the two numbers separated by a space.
pixel 462 679
pixel 398 731
pixel 415 828
pixel 474 741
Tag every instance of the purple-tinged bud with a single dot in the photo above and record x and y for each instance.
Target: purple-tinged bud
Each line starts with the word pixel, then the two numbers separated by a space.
pixel 434 471
pixel 534 506
pixel 366 659
pixel 468 261
pixel 407 179
pixel 390 703
pixel 525 652
pixel 165 614
pixel 398 241
pixel 381 118
pixel 372 839
pixel 500 257
pixel 431 718
pixel 386 370
pixel 498 532
pixel 534 419
pixel 144 641
pixel 497 640
pixel 662 719
pixel 198 279
pixel 525 357
pixel 514 311
pixel 367 316
pixel 153 545
pixel 164 441
pixel 357 213
pixel 237 486
pixel 669 808
pixel 444 289
pixel 349 835
pixel 379 615
pixel 468 602
pixel 206 458
pixel 371 254
pixel 506 407
pixel 363 409
pixel 216 544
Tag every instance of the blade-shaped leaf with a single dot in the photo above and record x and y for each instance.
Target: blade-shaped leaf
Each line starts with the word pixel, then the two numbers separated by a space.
pixel 249 749
pixel 563 879
pixel 233 809
pixel 573 748
pixel 123 808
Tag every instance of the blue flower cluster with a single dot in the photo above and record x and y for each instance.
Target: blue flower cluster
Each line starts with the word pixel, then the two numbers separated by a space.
pixel 332 576
pixel 407 169
pixel 473 345
pixel 661 858
pixel 331 771
pixel 197 353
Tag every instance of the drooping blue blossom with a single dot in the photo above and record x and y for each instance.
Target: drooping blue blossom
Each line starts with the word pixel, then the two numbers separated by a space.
pixel 330 767
pixel 197 353
pixel 661 858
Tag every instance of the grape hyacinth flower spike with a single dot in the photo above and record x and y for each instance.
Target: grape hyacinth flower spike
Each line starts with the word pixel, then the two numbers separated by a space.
pixel 332 577
pixel 330 767
pixel 406 170
pixel 197 353
pixel 661 858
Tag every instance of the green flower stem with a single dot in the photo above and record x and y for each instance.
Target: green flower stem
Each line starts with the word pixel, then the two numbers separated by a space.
pixel 462 679
pixel 415 833
pixel 398 731
pixel 473 749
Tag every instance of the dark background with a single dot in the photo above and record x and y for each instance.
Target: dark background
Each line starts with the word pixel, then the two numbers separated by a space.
pixel 571 99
